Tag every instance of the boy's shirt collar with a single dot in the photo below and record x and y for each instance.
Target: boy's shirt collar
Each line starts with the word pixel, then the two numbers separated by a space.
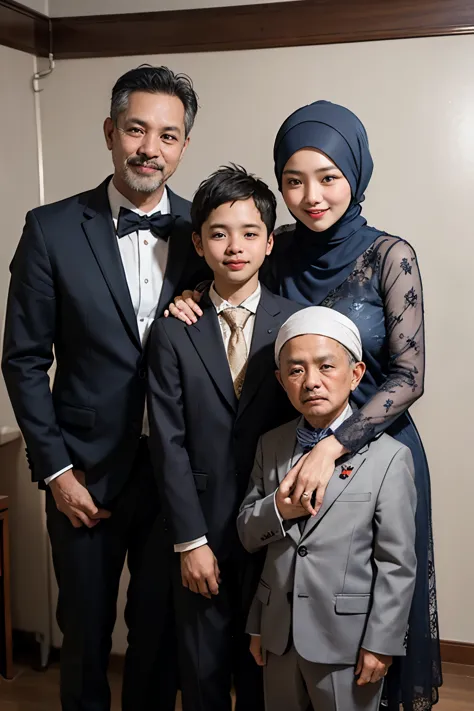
pixel 250 303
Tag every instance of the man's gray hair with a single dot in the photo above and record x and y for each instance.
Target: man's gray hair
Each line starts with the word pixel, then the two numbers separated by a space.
pixel 155 80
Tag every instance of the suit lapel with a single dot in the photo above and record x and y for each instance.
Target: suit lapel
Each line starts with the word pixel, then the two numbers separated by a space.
pixel 288 455
pixel 180 249
pixel 99 230
pixel 206 337
pixel 335 487
pixel 260 363
pixel 289 451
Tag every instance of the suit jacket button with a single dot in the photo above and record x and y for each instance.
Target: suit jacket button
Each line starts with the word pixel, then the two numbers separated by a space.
pixel 142 373
pixel 302 551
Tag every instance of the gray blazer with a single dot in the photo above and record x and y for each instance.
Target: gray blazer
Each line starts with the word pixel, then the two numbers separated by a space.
pixel 347 581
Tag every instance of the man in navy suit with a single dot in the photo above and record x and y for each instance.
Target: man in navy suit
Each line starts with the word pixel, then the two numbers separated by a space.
pixel 88 277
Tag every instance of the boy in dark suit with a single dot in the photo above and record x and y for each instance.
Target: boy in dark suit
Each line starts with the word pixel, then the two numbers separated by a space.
pixel 212 392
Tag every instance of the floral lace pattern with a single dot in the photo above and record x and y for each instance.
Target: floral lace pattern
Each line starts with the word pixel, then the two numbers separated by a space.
pixel 383 296
pixel 386 278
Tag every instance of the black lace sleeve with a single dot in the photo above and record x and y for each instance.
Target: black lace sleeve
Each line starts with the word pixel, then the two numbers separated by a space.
pixel 401 289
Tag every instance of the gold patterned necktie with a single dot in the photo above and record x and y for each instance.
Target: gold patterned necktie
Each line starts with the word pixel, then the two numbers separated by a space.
pixel 237 353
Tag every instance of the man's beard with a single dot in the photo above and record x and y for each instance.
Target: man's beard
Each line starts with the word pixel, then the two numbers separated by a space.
pixel 143 183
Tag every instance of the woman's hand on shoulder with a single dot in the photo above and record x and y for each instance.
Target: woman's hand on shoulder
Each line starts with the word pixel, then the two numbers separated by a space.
pixel 186 307
pixel 313 472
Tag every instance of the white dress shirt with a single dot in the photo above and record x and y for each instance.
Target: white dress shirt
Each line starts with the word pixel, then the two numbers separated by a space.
pixel 144 257
pixel 251 304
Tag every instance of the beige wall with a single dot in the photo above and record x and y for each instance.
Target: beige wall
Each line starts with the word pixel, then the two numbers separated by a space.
pixel 38 5
pixel 69 8
pixel 18 193
pixel 18 153
pixel 416 98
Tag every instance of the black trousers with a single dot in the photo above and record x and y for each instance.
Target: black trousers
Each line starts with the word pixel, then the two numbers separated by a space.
pixel 213 647
pixel 88 564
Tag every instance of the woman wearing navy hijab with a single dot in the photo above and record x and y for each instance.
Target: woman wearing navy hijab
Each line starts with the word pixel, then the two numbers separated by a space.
pixel 333 258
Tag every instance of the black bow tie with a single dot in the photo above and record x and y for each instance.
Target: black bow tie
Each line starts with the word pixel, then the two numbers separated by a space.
pixel 129 221
pixel 308 437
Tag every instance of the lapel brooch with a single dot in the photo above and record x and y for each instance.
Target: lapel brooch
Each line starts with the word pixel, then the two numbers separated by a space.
pixel 346 472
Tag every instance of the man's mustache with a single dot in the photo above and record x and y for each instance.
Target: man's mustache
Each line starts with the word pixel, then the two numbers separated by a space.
pixel 144 162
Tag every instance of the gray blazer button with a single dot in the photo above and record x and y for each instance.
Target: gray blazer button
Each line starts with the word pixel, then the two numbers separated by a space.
pixel 302 551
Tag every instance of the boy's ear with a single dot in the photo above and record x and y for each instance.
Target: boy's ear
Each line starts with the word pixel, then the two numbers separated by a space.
pixel 197 241
pixel 270 242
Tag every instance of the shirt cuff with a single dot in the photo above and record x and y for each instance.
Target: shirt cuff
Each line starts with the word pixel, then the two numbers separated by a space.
pixel 49 479
pixel 283 531
pixel 190 545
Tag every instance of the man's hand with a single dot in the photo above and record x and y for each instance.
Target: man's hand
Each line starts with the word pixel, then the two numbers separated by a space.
pixel 185 307
pixel 288 510
pixel 371 667
pixel 74 501
pixel 313 472
pixel 200 571
pixel 256 649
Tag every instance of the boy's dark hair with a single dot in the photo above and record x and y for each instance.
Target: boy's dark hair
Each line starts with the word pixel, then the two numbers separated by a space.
pixel 228 184
pixel 155 80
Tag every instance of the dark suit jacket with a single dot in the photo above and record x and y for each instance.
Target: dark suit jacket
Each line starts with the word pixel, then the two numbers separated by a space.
pixel 68 290
pixel 203 439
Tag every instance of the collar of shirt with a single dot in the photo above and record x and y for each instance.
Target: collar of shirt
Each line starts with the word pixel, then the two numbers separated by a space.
pixel 117 200
pixel 250 303
pixel 335 423
pixel 342 418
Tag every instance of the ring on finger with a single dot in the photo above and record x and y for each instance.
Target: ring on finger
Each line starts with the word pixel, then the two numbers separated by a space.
pixel 306 494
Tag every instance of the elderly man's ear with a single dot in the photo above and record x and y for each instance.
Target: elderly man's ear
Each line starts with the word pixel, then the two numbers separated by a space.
pixel 357 375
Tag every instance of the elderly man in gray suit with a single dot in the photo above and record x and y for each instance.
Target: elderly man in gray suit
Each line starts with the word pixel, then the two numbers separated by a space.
pixel 331 608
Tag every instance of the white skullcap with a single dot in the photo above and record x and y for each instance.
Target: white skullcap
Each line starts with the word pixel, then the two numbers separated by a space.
pixel 320 321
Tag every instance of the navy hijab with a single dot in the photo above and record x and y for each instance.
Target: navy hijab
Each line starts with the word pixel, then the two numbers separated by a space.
pixel 319 262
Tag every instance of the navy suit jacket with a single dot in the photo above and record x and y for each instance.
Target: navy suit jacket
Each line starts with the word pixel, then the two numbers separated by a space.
pixel 68 290
pixel 203 439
